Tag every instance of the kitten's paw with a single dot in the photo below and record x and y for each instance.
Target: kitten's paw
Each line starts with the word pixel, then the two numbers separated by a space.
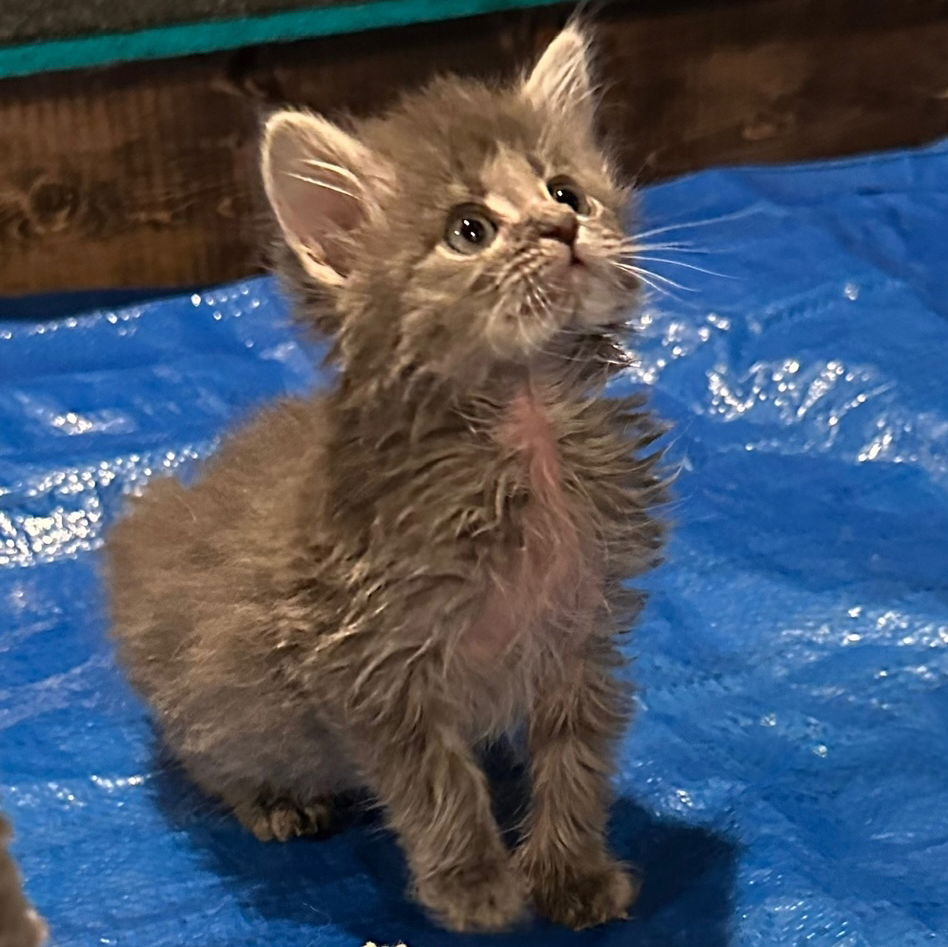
pixel 484 896
pixel 581 895
pixel 281 819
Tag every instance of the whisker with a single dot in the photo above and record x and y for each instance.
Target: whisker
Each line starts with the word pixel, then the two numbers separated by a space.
pixel 676 247
pixel 538 302
pixel 685 226
pixel 546 303
pixel 317 183
pixel 655 286
pixel 338 169
pixel 687 266
pixel 633 239
pixel 640 271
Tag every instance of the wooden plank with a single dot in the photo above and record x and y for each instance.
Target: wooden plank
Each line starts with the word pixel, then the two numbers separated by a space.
pixel 134 176
pixel 145 175
pixel 777 80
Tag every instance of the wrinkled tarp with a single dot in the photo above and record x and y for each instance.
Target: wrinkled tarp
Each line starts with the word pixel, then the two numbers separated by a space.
pixel 787 779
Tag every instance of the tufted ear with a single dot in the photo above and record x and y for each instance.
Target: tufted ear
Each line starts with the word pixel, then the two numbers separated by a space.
pixel 561 82
pixel 322 183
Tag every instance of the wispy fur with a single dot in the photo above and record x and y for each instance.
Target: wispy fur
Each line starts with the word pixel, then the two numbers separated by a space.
pixel 20 926
pixel 365 587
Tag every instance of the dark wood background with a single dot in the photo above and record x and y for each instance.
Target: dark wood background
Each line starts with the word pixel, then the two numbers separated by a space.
pixel 144 174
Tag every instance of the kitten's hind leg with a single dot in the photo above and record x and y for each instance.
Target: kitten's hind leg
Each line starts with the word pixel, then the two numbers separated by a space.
pixel 276 817
pixel 273 802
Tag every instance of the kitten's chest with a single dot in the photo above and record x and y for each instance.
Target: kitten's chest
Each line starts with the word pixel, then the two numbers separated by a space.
pixel 548 578
pixel 549 521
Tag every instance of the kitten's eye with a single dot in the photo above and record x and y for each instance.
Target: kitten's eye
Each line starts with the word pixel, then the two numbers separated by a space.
pixel 469 229
pixel 565 191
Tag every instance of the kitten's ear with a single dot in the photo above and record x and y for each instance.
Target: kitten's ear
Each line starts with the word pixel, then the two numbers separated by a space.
pixel 322 183
pixel 561 81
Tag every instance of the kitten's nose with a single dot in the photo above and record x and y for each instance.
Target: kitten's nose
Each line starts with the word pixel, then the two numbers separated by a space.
pixel 558 223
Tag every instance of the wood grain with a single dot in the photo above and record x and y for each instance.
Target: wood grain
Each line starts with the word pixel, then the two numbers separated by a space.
pixel 144 174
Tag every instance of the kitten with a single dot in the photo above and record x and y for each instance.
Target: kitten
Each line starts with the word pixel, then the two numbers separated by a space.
pixel 20 926
pixel 367 586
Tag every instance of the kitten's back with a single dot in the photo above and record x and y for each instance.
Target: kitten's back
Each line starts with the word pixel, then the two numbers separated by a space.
pixel 187 557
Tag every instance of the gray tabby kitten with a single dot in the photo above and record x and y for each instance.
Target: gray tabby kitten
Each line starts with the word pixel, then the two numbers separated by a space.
pixel 367 586
pixel 20 926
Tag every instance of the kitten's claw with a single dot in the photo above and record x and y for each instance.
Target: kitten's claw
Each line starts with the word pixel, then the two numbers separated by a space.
pixel 485 896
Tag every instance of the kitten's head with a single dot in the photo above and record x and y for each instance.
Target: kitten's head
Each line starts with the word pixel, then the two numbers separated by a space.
pixel 467 227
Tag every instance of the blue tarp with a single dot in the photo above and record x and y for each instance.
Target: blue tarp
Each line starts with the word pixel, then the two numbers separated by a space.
pixel 786 782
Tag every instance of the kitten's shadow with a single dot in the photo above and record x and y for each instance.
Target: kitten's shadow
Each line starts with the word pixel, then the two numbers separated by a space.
pixel 356 879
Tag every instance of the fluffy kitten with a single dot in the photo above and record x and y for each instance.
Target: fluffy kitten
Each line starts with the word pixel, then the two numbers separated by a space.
pixel 19 924
pixel 366 586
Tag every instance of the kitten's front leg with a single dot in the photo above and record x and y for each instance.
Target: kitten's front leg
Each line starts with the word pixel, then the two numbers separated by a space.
pixel 573 878
pixel 437 800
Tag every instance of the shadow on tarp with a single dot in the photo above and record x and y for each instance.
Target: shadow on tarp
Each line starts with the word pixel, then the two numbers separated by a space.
pixel 356 878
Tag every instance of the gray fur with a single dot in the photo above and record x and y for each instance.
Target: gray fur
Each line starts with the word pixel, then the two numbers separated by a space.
pixel 19 924
pixel 364 587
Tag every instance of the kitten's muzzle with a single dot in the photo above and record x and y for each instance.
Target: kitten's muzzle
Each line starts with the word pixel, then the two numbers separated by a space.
pixel 558 223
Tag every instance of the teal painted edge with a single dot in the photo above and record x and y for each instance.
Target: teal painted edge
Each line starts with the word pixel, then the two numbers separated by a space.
pixel 187 38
